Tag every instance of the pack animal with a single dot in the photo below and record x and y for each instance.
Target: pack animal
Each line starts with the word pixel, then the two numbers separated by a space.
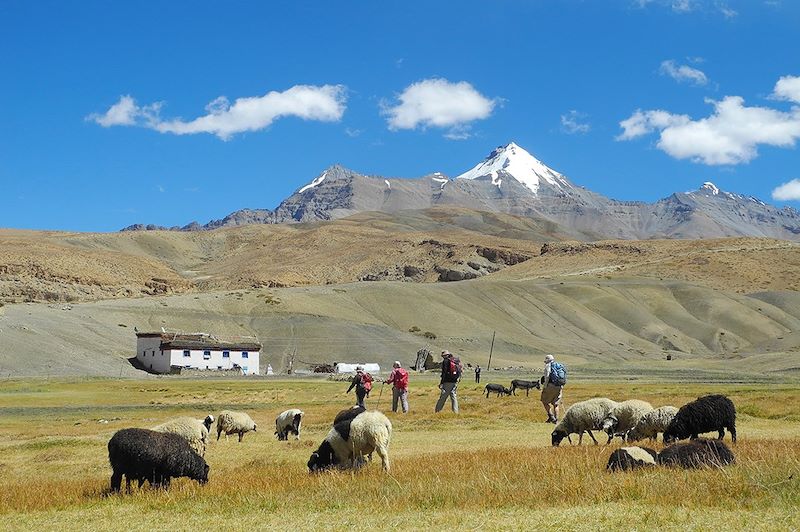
pixel 499 389
pixel 524 385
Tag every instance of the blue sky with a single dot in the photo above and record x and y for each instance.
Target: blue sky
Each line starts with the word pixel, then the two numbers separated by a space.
pixel 160 112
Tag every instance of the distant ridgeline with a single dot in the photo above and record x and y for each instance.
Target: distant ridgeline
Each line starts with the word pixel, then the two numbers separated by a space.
pixel 511 181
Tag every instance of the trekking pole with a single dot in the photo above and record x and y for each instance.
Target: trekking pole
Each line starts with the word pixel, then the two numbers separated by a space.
pixel 379 396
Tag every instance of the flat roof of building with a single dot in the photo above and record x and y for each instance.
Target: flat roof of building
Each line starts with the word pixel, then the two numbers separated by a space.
pixel 200 341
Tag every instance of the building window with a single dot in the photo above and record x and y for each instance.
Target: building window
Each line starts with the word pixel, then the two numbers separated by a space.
pixel 244 370
pixel 219 367
pixel 226 354
pixel 186 353
pixel 206 355
pixel 244 354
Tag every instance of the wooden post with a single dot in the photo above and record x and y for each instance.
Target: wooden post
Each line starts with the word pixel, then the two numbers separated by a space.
pixel 489 365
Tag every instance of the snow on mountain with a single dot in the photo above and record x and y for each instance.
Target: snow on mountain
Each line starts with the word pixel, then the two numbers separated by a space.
pixel 711 187
pixel 513 161
pixel 314 183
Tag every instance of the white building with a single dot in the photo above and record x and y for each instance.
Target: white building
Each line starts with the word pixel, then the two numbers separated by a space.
pixel 160 352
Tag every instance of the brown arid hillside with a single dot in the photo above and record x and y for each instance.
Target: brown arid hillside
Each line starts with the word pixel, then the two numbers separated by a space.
pixel 417 246
pixel 742 265
pixel 369 288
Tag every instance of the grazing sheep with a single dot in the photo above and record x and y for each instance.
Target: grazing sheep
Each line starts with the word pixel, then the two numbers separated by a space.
pixel 348 414
pixel 652 423
pixel 288 422
pixel 348 442
pixel 705 414
pixel 585 416
pixel 142 454
pixel 696 454
pixel 524 385
pixel 231 422
pixel 193 430
pixel 499 389
pixel 624 416
pixel 626 458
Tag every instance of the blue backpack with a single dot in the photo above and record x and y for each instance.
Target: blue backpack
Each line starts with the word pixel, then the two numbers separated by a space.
pixel 558 374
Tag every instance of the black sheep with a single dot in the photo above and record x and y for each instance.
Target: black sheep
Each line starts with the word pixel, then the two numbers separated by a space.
pixel 696 454
pixel 706 414
pixel 626 458
pixel 348 414
pixel 142 454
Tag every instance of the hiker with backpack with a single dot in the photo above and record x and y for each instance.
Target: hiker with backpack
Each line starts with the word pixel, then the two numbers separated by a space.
pixel 451 374
pixel 553 381
pixel 398 378
pixel 363 384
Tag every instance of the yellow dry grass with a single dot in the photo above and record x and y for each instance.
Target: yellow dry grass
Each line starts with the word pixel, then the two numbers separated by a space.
pixel 490 467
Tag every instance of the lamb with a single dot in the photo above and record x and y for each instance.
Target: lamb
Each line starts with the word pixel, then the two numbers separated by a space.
pixel 157 457
pixel 652 423
pixel 288 422
pixel 231 422
pixel 696 454
pixel 524 385
pixel 624 416
pixel 348 414
pixel 585 416
pixel 499 389
pixel 705 414
pixel 193 430
pixel 626 458
pixel 348 441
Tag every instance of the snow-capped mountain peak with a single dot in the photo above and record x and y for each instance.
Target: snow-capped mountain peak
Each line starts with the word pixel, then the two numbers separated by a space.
pixel 517 163
pixel 710 187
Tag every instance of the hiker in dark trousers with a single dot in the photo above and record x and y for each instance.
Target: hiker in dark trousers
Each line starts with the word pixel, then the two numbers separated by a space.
pixel 451 374
pixel 363 384
pixel 477 374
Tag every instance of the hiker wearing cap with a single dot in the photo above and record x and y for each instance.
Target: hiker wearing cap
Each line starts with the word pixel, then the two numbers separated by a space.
pixel 363 384
pixel 398 378
pixel 451 374
pixel 553 380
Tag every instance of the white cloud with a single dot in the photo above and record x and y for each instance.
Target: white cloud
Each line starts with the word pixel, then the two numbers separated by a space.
pixel 323 103
pixel 353 132
pixel 439 103
pixel 787 88
pixel 682 6
pixel 643 122
pixel 574 122
pixel 727 12
pixel 787 191
pixel 125 113
pixel 730 135
pixel 683 73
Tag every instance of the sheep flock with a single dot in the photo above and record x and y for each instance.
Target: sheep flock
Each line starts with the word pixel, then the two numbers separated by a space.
pixel 177 447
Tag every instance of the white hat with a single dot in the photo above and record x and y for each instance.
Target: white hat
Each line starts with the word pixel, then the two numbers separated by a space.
pixel 397 363
pixel 548 358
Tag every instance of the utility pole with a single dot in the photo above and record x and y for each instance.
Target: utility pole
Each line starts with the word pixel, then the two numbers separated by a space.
pixel 490 351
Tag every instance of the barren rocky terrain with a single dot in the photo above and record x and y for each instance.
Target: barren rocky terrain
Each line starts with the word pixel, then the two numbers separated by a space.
pixel 371 286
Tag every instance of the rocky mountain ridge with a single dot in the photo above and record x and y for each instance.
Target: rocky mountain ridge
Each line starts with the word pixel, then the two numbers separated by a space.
pixel 512 181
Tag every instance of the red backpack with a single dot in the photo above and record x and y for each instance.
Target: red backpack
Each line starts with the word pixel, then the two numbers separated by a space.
pixel 455 366
pixel 401 381
pixel 366 381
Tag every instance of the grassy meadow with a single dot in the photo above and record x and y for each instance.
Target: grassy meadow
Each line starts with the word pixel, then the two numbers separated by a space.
pixel 492 466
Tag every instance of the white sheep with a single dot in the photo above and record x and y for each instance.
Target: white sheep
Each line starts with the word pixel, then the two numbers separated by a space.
pixel 624 416
pixel 652 423
pixel 585 416
pixel 349 441
pixel 193 430
pixel 231 422
pixel 287 422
